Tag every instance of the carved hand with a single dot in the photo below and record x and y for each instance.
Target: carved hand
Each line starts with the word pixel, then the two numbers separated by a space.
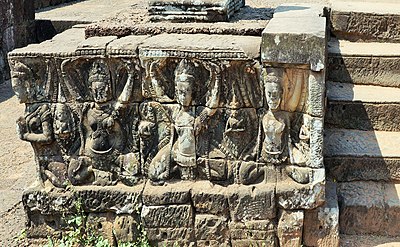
pixel 22 128
pixel 200 123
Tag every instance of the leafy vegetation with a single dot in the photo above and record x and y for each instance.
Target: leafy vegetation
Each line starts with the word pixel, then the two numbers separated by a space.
pixel 82 234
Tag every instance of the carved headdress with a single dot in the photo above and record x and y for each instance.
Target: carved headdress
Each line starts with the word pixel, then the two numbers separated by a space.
pixel 184 72
pixel 99 73
pixel 269 78
pixel 100 81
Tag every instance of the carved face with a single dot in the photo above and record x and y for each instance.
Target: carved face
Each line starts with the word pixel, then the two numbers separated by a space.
pixel 273 93
pixel 101 91
pixel 19 83
pixel 183 89
pixel 61 113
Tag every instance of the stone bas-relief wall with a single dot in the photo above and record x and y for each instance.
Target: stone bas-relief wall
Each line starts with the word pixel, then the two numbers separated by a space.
pixel 202 146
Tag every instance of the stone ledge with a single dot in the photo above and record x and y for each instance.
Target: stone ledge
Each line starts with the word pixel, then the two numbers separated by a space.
pixel 347 62
pixel 201 46
pixel 349 169
pixel 362 107
pixel 369 208
pixel 69 44
pixel 293 41
pixel 366 21
pixel 189 11
pixel 357 143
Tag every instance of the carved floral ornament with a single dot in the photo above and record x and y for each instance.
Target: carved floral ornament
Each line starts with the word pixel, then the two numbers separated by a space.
pixel 104 121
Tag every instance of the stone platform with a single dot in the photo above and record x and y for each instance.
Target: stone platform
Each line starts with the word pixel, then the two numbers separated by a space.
pixel 199 138
pixel 189 11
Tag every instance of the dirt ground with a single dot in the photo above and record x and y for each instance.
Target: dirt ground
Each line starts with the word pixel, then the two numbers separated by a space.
pixel 17 169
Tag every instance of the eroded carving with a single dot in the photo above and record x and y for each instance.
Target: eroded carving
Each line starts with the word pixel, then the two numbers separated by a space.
pixel 156 139
pixel 34 82
pixel 36 124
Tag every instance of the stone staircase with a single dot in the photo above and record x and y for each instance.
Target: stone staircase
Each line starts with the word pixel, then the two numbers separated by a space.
pixel 362 126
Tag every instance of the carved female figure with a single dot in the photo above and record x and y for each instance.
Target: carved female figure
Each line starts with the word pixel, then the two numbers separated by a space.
pixel 103 130
pixel 300 150
pixel 33 84
pixel 184 152
pixel 275 123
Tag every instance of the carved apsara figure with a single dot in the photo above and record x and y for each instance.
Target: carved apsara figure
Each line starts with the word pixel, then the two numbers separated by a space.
pixel 275 123
pixel 32 85
pixel 106 150
pixel 103 130
pixel 36 125
pixel 184 149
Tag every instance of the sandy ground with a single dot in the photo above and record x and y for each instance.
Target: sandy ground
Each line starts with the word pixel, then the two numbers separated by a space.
pixel 17 169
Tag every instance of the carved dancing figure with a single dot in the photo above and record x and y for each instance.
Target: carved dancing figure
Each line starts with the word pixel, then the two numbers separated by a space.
pixel 239 137
pixel 184 150
pixel 30 86
pixel 36 125
pixel 65 129
pixel 101 132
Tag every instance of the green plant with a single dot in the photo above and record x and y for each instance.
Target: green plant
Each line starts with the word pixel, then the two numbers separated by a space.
pixel 82 234
pixel 21 235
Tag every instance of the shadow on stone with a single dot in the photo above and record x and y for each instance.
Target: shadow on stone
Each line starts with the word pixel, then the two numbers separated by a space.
pixel 357 155
pixel 6 91
pixel 250 13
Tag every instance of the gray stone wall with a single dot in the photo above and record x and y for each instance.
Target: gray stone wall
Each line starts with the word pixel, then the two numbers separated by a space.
pixel 17 26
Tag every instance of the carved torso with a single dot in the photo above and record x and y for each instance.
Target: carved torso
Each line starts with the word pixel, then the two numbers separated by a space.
pixel 103 132
pixel 185 153
pixel 275 134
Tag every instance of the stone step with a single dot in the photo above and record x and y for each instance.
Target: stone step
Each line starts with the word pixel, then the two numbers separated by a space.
pixel 366 21
pixel 354 155
pixel 358 143
pixel 369 208
pixel 364 63
pixel 362 107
